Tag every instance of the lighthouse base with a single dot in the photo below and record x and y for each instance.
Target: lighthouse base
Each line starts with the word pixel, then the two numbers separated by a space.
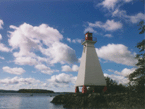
pixel 77 90
pixel 84 89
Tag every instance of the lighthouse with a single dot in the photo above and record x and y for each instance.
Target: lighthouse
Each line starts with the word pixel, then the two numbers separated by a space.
pixel 90 72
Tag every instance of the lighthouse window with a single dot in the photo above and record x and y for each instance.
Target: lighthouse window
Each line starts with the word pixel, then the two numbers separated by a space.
pixel 90 35
pixel 86 35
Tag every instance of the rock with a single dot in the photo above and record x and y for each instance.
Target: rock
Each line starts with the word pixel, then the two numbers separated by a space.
pixel 79 100
pixel 89 95
pixel 75 95
pixel 90 105
pixel 57 99
pixel 62 101
pixel 98 94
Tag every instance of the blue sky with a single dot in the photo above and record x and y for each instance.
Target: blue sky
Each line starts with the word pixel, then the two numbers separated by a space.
pixel 40 41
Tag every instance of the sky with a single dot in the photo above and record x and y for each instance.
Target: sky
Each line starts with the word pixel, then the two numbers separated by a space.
pixel 40 40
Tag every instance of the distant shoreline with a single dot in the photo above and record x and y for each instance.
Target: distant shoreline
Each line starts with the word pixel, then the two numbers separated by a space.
pixel 27 91
pixel 32 91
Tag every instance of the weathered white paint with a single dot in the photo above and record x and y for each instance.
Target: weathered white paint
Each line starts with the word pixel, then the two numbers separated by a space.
pixel 90 72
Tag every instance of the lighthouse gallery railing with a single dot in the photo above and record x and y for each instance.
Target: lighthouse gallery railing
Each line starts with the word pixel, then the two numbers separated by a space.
pixel 93 39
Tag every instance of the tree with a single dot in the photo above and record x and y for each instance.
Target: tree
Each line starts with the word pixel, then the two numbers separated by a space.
pixel 113 87
pixel 138 76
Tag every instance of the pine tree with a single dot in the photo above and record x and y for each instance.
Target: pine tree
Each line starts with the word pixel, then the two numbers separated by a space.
pixel 138 76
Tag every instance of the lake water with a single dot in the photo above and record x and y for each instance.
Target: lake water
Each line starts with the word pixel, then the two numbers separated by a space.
pixel 27 101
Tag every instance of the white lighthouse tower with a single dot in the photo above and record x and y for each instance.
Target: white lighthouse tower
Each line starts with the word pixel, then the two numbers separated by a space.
pixel 90 72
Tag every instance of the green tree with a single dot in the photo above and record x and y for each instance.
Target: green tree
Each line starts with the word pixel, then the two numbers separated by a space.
pixel 138 76
pixel 113 87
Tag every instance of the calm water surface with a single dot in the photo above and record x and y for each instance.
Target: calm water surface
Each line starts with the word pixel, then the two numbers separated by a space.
pixel 26 101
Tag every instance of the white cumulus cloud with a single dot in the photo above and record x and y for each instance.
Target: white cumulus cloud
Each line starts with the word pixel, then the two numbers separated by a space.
pixel 67 68
pixel 1 23
pixel 44 69
pixel 3 48
pixel 109 4
pixel 62 80
pixel 113 7
pixel 90 29
pixel 110 70
pixel 112 4
pixel 17 71
pixel 32 35
pixel 74 40
pixel 68 39
pixel 108 35
pixel 118 78
pixel 44 39
pixel 2 58
pixel 25 61
pixel 127 0
pixel 125 72
pixel 117 53
pixel 75 68
pixel 41 67
pixel 18 80
pixel 17 83
pixel 59 52
pixel 136 18
pixel 0 37
pixel 109 25
pixel 131 18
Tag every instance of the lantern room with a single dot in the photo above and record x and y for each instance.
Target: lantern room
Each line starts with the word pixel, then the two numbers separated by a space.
pixel 88 36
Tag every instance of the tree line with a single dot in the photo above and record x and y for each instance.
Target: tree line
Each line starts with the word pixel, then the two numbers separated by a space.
pixel 34 91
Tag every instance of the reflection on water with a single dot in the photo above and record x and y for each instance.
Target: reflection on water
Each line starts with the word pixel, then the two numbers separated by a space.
pixel 27 101
pixel 10 102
